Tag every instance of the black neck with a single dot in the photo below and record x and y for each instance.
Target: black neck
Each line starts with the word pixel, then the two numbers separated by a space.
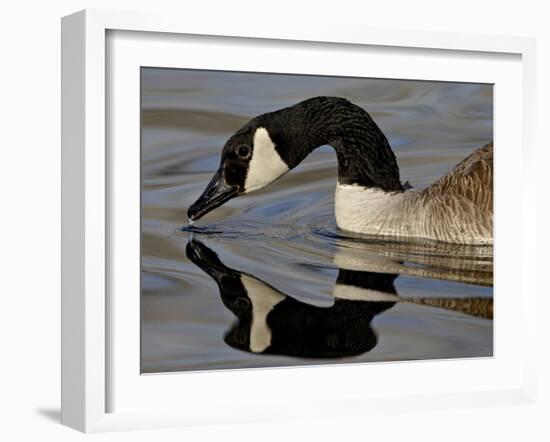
pixel 364 154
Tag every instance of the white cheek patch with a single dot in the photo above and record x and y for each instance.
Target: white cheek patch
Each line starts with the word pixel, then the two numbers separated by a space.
pixel 266 165
pixel 264 299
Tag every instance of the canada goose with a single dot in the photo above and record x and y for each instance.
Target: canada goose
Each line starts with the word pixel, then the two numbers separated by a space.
pixel 370 198
pixel 271 322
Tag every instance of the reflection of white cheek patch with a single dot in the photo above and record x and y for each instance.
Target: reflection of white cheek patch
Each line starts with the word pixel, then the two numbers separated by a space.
pixel 263 299
pixel 266 165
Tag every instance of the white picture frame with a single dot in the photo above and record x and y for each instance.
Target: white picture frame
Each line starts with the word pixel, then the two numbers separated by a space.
pixel 88 321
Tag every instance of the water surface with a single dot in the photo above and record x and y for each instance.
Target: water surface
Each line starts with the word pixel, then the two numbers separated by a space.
pixel 434 300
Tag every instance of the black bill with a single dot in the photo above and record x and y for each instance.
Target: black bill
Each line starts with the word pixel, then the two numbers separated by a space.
pixel 216 193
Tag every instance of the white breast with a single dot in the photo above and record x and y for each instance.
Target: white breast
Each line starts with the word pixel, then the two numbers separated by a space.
pixel 368 210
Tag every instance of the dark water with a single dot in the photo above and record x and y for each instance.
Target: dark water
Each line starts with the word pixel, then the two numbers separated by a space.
pixel 422 300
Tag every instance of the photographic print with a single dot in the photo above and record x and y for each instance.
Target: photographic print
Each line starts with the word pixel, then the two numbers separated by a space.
pixel 294 220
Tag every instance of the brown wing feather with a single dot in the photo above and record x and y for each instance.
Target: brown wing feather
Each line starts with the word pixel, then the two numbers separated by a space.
pixel 471 179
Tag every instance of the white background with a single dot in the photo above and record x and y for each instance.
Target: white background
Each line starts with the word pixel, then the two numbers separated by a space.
pixel 30 183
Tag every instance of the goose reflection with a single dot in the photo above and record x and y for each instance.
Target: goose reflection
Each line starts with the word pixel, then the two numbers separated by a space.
pixel 271 322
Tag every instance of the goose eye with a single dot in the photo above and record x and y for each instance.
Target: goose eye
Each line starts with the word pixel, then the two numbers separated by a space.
pixel 242 303
pixel 243 151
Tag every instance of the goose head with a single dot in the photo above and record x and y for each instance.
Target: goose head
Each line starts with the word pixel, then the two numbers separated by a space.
pixel 250 161
pixel 271 144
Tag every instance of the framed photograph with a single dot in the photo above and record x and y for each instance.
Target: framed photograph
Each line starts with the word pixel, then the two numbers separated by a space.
pixel 264 224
